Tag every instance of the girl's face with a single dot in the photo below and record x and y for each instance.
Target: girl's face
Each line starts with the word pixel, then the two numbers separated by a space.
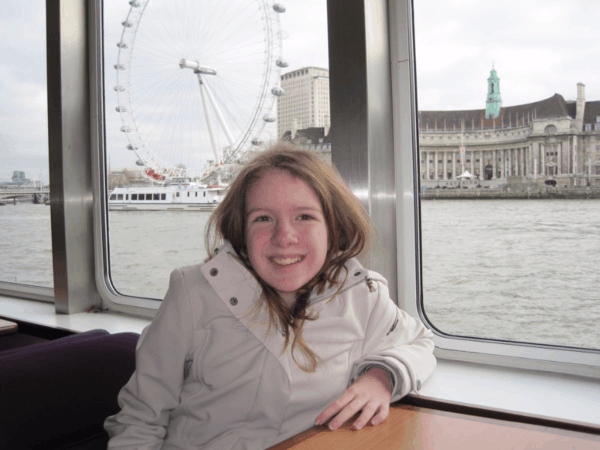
pixel 286 233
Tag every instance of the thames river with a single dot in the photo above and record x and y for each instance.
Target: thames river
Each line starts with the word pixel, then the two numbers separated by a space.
pixel 519 270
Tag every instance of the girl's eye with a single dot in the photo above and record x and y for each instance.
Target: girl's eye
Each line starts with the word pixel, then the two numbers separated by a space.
pixel 305 217
pixel 262 219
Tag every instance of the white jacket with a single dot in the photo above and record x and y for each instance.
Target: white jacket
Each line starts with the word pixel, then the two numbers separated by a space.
pixel 206 378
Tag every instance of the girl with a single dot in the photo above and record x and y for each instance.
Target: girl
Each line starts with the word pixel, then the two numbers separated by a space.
pixel 281 328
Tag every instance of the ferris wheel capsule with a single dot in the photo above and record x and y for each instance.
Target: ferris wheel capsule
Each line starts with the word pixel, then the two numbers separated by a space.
pixel 268 118
pixel 121 109
pixel 281 63
pixel 139 162
pixel 121 44
pixel 134 4
pixel 127 24
pixel 278 91
pixel 256 141
pixel 132 147
pixel 119 88
pixel 119 67
pixel 278 7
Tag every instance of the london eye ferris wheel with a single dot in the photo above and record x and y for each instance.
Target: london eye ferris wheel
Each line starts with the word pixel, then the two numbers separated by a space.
pixel 197 81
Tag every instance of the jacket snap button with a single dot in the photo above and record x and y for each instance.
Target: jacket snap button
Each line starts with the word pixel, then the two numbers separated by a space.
pixel 357 274
pixel 216 251
pixel 214 272
pixel 418 385
pixel 233 301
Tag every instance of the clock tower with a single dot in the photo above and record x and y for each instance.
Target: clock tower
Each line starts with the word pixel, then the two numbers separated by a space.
pixel 493 101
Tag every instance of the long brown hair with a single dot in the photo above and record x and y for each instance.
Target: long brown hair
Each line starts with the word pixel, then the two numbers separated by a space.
pixel 348 226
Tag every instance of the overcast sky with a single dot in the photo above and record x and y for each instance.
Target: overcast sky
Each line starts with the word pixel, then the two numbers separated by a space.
pixel 538 48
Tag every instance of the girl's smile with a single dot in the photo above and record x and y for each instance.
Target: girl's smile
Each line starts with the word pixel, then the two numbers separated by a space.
pixel 286 261
pixel 286 233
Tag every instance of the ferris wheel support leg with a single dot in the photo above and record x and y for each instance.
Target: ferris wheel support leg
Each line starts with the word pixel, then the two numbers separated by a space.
pixel 208 121
pixel 219 115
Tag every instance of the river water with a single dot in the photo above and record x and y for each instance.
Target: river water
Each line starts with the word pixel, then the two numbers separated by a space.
pixel 517 270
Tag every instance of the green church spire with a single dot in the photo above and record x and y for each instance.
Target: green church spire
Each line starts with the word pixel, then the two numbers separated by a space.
pixel 493 102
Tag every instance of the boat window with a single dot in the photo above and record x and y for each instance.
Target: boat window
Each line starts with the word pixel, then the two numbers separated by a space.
pixel 148 196
pixel 510 257
pixel 169 116
pixel 134 196
pixel 119 196
pixel 113 197
pixel 26 245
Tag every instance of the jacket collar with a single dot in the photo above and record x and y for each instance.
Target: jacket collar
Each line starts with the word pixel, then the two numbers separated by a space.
pixel 237 276
pixel 354 275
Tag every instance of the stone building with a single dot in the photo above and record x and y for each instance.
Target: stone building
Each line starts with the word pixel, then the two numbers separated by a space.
pixel 316 139
pixel 305 101
pixel 548 139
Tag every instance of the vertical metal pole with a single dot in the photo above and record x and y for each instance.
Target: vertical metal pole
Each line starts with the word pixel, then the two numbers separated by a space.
pixel 70 156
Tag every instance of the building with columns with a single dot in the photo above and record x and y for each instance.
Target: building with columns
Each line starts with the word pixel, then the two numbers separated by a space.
pixel 548 139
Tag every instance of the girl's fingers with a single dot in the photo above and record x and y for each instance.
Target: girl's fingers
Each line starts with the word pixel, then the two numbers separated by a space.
pixel 334 408
pixel 367 412
pixel 345 414
pixel 384 411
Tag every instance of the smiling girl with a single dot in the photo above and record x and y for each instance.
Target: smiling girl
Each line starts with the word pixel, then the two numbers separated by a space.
pixel 282 328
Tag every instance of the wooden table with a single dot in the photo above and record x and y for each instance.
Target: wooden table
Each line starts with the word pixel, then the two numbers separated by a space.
pixel 7 327
pixel 413 427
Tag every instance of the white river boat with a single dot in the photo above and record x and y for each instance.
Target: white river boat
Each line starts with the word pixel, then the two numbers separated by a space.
pixel 175 197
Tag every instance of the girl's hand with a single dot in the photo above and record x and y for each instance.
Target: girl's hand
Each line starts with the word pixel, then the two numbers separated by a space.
pixel 371 393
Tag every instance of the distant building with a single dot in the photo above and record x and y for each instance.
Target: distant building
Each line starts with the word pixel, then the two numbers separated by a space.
pixel 551 138
pixel 126 177
pixel 316 139
pixel 18 179
pixel 305 102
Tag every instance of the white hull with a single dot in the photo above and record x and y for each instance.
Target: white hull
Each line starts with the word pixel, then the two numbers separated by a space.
pixel 163 207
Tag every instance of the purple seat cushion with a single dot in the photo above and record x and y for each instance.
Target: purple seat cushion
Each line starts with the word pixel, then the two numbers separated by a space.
pixel 58 394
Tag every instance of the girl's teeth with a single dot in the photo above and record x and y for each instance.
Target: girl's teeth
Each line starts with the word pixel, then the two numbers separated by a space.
pixel 286 261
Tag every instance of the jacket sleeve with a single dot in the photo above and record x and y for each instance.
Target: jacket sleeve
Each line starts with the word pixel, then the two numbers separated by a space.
pixel 155 386
pixel 398 342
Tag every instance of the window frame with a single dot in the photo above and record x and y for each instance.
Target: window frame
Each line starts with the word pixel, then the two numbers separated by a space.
pixel 508 354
